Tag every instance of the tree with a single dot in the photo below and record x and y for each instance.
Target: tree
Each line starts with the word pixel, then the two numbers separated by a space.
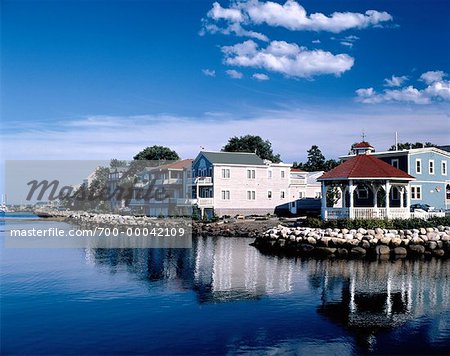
pixel 316 161
pixel 157 153
pixel 253 144
pixel 407 146
pixel 116 163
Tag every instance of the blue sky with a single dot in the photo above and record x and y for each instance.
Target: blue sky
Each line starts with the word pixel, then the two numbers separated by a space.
pixel 86 79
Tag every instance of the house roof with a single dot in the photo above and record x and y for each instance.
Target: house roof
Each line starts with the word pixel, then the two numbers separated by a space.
pixel 233 158
pixel 365 166
pixel 363 144
pixel 297 170
pixel 184 163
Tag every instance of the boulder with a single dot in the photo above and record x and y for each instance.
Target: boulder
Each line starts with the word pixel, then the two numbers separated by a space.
pixel 438 252
pixel 324 251
pixel 382 250
pixel 358 252
pixel 417 249
pixel 400 251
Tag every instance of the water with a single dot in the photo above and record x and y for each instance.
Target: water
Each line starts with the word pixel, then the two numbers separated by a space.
pixel 221 296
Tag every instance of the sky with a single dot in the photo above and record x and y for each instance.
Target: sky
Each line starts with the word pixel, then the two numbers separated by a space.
pixel 104 79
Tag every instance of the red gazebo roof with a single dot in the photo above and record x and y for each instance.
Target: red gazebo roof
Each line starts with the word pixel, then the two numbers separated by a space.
pixel 365 167
pixel 363 144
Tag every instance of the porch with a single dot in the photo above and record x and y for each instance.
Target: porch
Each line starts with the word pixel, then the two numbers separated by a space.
pixel 366 213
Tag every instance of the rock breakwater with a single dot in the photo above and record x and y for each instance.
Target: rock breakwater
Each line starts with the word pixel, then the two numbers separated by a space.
pixel 356 243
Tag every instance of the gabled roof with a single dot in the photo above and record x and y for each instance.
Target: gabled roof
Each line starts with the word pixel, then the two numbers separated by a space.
pixel 366 167
pixel 184 163
pixel 233 158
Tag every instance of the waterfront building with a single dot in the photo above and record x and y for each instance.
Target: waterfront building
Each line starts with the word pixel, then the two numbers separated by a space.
pixel 238 183
pixel 163 190
pixel 369 184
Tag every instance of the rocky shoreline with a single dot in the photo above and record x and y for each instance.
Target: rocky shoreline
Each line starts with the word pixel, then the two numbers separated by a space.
pixel 360 243
pixel 228 227
pixel 286 237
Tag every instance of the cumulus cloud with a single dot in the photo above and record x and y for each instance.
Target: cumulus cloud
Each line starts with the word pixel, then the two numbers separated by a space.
pixel 234 74
pixel 209 72
pixel 432 76
pixel 395 81
pixel 437 89
pixel 290 15
pixel 260 76
pixel 287 58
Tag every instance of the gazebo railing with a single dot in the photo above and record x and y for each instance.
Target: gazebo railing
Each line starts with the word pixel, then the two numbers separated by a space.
pixel 367 213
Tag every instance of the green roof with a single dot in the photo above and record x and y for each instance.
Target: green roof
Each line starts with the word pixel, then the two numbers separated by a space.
pixel 233 158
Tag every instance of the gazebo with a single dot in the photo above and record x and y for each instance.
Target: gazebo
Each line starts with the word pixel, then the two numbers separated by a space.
pixel 365 187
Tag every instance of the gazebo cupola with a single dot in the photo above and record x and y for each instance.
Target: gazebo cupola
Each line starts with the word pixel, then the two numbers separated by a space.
pixel 363 148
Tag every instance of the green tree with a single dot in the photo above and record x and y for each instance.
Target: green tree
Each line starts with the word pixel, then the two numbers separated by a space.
pixel 316 161
pixel 157 153
pixel 253 144
pixel 116 163
pixel 407 145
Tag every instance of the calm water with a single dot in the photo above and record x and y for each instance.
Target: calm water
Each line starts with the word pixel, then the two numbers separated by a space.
pixel 221 296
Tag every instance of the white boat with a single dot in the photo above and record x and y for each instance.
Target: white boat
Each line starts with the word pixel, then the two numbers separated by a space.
pixel 3 208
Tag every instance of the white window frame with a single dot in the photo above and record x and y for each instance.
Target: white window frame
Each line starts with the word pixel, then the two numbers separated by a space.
pixel 318 195
pixel 395 162
pixel 301 195
pixel 282 174
pixel 444 168
pixel 418 161
pixel 226 195
pixel 226 173
pixel 251 195
pixel 431 167
pixel 282 194
pixel 269 174
pixel 251 173
pixel 269 194
pixel 416 192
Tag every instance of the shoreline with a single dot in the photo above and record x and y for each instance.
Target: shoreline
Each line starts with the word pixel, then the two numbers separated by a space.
pixel 278 236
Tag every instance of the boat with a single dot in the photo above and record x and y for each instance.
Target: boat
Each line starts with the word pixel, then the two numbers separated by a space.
pixel 3 208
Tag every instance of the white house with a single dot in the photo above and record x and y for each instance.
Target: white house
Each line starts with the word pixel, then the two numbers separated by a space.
pixel 232 183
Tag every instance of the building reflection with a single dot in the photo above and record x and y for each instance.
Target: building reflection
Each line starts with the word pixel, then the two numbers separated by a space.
pixel 364 297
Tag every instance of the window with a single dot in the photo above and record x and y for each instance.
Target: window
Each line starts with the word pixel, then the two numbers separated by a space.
pixel 282 174
pixel 431 166
pixel 269 174
pixel 251 195
pixel 362 193
pixel 225 173
pixel 301 195
pixel 282 194
pixel 269 194
pixel 447 192
pixel 416 192
pixel 318 195
pixel 394 162
pixel 251 173
pixel 418 166
pixel 444 168
pixel 225 195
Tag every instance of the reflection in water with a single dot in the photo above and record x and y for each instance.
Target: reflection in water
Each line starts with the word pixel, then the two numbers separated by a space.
pixel 364 297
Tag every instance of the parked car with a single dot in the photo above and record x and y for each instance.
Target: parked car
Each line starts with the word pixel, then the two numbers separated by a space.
pixel 424 207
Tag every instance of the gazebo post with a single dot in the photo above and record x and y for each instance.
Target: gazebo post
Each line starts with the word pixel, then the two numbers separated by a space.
pixel 351 189
pixel 324 201
pixel 387 188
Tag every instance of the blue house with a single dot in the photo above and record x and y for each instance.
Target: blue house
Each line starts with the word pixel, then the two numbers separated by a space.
pixel 429 165
pixel 369 184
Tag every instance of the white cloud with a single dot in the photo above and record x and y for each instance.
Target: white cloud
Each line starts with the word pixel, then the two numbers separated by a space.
pixel 260 76
pixel 438 89
pixel 348 44
pixel 287 58
pixel 395 81
pixel 316 41
pixel 209 72
pixel 290 15
pixel 432 76
pixel 292 131
pixel 234 74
